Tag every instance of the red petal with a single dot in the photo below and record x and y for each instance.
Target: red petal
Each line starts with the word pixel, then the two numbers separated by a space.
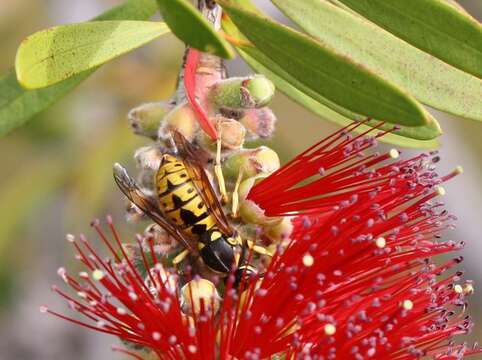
pixel 192 60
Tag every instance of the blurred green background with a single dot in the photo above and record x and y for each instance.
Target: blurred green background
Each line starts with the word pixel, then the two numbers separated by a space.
pixel 56 175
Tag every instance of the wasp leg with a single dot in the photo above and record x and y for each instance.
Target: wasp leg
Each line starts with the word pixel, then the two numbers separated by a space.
pixel 180 257
pixel 219 172
pixel 259 249
pixel 235 196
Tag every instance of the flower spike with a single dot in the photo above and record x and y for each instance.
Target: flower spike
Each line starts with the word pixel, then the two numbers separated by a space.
pixel 356 278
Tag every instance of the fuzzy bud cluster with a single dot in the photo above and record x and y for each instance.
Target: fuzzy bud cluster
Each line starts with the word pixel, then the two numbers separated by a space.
pixel 238 109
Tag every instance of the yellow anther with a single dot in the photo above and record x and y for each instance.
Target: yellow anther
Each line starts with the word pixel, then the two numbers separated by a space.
pixel 459 170
pixel 394 153
pixel 330 329
pixel 407 305
pixel 440 190
pixel 308 260
pixel 469 289
pixel 97 275
pixel 381 242
pixel 458 289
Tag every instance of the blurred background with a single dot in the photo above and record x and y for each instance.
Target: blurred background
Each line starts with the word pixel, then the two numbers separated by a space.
pixel 56 175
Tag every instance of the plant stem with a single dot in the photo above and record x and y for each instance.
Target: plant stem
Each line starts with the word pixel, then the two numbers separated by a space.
pixel 213 13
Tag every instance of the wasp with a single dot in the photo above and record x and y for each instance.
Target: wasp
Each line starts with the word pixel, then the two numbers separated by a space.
pixel 188 209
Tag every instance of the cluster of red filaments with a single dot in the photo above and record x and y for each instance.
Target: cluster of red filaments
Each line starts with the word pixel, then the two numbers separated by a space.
pixel 355 282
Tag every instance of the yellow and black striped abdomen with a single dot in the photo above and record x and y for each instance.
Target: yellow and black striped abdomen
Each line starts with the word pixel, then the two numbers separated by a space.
pixel 179 200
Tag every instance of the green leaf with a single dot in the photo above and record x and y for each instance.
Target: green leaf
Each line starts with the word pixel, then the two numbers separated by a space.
pixel 188 24
pixel 18 105
pixel 130 10
pixel 321 69
pixel 55 54
pixel 411 137
pixel 434 26
pixel 429 79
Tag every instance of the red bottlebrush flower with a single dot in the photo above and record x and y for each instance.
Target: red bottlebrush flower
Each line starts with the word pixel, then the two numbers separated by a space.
pixel 356 281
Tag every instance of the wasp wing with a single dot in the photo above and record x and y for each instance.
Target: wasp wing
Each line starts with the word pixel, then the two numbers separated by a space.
pixel 130 189
pixel 192 156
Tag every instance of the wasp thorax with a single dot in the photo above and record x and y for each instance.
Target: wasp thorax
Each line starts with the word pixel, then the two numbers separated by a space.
pixel 146 118
pixel 183 119
pixel 242 93
pixel 252 162
pixel 259 123
pixel 200 296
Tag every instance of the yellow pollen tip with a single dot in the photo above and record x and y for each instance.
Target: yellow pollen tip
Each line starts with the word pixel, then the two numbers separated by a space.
pixel 381 242
pixel 330 329
pixel 440 190
pixel 394 153
pixel 458 289
pixel 459 170
pixel 308 260
pixel 97 275
pixel 407 305
pixel 469 289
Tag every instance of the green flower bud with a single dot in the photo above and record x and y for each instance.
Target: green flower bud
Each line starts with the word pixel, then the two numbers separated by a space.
pixel 145 119
pixel 183 119
pixel 259 123
pixel 198 290
pixel 232 134
pixel 252 161
pixel 242 93
pixel 250 212
pixel 280 233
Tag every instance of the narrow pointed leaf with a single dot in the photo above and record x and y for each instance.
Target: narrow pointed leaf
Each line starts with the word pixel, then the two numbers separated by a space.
pixel 52 55
pixel 18 105
pixel 130 10
pixel 420 137
pixel 434 26
pixel 429 79
pixel 188 24
pixel 327 73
